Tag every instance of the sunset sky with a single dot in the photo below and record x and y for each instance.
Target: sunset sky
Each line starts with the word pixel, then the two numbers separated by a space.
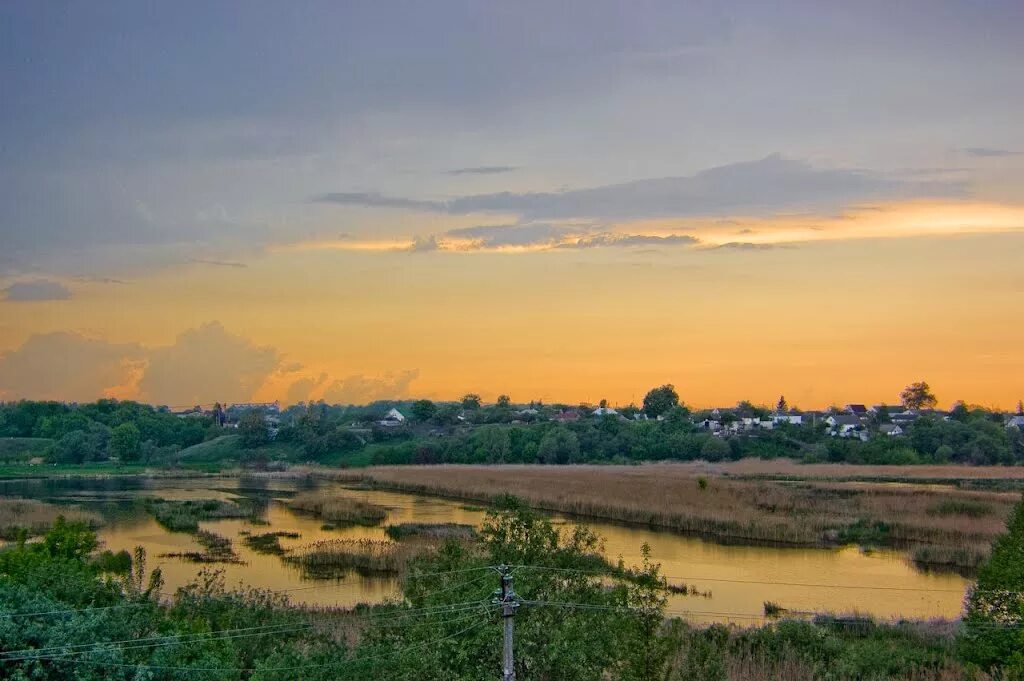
pixel 565 201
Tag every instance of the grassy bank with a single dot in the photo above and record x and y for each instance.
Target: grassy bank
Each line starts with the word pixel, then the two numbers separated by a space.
pixel 928 519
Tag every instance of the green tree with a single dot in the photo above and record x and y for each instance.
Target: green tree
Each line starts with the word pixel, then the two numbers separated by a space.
pixel 992 635
pixel 781 406
pixel 125 442
pixel 715 449
pixel 614 634
pixel 423 410
pixel 918 396
pixel 471 401
pixel 659 401
pixel 559 445
pixel 253 430
pixel 504 401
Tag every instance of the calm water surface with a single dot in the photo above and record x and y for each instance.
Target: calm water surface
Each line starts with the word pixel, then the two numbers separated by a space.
pixel 739 578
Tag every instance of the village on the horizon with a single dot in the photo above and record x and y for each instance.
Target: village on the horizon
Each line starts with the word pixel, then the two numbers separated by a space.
pixel 851 421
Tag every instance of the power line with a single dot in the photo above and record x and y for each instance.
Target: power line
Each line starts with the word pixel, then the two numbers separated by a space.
pixel 342 663
pixel 752 581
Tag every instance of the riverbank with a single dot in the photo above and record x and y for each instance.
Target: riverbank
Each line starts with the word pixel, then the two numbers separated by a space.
pixel 942 527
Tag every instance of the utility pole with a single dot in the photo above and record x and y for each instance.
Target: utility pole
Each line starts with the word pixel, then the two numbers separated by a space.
pixel 509 602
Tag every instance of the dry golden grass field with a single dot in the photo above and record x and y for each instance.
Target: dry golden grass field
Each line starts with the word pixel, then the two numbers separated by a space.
pixel 753 502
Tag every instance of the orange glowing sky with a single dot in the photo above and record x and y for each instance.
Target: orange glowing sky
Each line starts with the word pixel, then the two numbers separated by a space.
pixel 741 202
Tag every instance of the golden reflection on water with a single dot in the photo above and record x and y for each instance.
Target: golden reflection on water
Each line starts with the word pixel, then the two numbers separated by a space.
pixel 740 578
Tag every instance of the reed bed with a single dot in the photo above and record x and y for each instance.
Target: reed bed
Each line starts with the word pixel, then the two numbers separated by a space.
pixel 268 542
pixel 335 557
pixel 431 531
pixel 35 517
pixel 338 511
pixel 184 516
pixel 800 513
pixel 216 549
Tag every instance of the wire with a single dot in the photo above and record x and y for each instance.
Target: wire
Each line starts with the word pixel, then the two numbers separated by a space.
pixel 395 619
pixel 753 581
pixel 341 663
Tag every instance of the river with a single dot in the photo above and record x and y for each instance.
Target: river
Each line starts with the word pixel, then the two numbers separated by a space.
pixel 739 578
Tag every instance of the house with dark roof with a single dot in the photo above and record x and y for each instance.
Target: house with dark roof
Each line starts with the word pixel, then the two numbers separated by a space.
pixel 846 425
pixel 858 410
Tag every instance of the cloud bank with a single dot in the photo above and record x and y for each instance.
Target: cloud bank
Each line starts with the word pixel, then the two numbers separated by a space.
pixel 204 364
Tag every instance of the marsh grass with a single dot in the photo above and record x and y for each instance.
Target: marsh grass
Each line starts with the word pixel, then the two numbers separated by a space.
pixel 334 557
pixel 35 517
pixel 184 516
pixel 269 542
pixel 433 531
pixel 216 549
pixel 795 513
pixel 338 511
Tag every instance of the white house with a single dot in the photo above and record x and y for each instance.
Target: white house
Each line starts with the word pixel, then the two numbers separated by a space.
pixel 391 419
pixel 792 419
pixel 890 429
pixel 604 411
pixel 845 425
pixel 1016 421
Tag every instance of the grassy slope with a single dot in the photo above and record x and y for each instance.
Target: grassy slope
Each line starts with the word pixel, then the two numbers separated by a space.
pixel 228 449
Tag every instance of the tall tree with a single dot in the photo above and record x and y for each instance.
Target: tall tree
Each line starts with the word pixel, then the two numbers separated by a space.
pixel 918 396
pixel 470 401
pixel 659 401
pixel 423 410
pixel 781 406
pixel 504 401
pixel 125 442
pixel 253 430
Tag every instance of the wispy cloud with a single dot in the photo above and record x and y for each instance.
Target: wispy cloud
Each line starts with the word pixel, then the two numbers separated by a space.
pixel 482 170
pixel 879 221
pixel 763 187
pixel 219 263
pixel 989 152
pixel 630 240
pixel 748 246
pixel 36 290
pixel 376 200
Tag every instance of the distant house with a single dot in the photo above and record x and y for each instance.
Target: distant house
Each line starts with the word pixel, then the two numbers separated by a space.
pixel 566 416
pixel 714 425
pixel 392 418
pixel 604 411
pixel 845 425
pixel 529 411
pixel 890 429
pixel 905 417
pixel 791 418
pixel 1016 421
pixel 858 410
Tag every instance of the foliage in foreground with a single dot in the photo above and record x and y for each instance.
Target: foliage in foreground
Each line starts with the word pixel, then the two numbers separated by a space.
pixel 993 633
pixel 98 616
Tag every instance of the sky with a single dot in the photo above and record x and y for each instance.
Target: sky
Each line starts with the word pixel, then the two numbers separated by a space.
pixel 567 201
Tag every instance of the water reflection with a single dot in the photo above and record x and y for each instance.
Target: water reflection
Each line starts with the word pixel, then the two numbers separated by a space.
pixel 740 578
